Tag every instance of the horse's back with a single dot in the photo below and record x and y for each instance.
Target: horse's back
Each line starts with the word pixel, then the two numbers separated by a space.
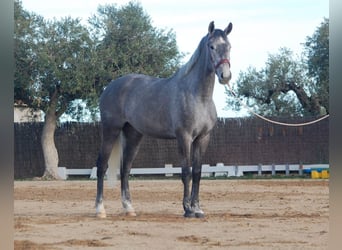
pixel 129 89
pixel 133 98
pixel 126 83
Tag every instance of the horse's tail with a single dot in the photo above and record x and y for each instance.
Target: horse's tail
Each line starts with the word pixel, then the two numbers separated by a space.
pixel 114 162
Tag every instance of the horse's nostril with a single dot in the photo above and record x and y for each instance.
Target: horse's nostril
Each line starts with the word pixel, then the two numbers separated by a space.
pixel 222 76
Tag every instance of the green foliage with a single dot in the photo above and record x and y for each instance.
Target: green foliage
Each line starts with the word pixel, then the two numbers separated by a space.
pixel 317 53
pixel 53 60
pixel 65 62
pixel 25 35
pixel 127 42
pixel 268 90
pixel 288 86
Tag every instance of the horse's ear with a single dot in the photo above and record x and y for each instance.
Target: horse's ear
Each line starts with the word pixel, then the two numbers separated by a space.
pixel 211 27
pixel 228 29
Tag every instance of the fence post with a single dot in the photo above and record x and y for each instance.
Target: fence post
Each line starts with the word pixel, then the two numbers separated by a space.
pixel 168 166
pixel 236 170
pixel 220 164
pixel 273 170
pixel 93 174
pixel 259 169
pixel 300 171
pixel 287 170
pixel 62 172
pixel 205 174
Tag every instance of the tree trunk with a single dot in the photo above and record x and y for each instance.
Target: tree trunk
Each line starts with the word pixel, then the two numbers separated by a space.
pixel 48 141
pixel 310 104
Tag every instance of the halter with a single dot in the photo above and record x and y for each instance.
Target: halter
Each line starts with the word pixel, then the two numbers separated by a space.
pixel 222 61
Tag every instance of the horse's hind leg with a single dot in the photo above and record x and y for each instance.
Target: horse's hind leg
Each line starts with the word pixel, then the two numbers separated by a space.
pixel 109 136
pixel 132 143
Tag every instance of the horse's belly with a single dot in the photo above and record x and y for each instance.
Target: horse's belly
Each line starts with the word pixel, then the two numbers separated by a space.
pixel 156 132
pixel 153 126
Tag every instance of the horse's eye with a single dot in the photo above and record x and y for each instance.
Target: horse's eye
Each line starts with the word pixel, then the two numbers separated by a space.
pixel 212 47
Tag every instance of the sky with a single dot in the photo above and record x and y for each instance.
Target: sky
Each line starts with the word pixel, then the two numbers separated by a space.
pixel 260 27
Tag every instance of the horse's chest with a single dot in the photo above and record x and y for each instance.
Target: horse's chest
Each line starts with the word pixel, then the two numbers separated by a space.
pixel 202 127
pixel 203 122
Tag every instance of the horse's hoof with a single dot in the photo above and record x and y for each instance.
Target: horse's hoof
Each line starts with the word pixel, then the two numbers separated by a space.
pixel 101 215
pixel 189 214
pixel 199 215
pixel 131 214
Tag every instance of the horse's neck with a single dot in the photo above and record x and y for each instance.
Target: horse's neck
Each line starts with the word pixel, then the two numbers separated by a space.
pixel 197 75
pixel 203 76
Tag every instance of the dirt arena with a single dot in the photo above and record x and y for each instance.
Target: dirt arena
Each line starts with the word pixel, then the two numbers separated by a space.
pixel 240 214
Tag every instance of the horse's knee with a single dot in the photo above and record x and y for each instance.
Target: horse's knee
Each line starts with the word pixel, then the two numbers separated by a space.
pixel 99 172
pixel 196 174
pixel 101 169
pixel 186 173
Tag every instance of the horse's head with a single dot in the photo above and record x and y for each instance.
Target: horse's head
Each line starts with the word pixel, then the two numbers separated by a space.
pixel 219 50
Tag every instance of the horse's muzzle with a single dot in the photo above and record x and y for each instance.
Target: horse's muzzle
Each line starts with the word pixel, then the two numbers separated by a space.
pixel 224 78
pixel 223 73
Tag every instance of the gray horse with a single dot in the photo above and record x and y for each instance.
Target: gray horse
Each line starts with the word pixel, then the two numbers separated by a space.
pixel 180 107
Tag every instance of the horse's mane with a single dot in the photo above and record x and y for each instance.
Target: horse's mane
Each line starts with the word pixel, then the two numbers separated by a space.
pixel 186 68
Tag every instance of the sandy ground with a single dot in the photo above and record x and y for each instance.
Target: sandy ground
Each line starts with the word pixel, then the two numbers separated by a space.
pixel 240 214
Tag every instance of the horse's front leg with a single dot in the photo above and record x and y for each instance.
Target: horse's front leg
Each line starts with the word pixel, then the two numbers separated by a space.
pixel 186 177
pixel 199 147
pixel 184 146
